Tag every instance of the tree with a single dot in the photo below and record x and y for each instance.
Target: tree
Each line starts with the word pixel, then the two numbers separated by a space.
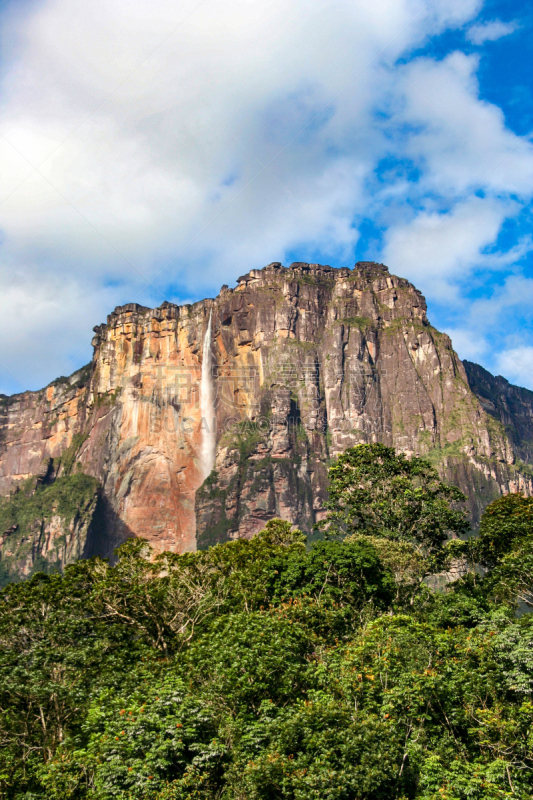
pixel 338 574
pixel 505 547
pixel 258 669
pixel 403 560
pixel 505 524
pixel 377 492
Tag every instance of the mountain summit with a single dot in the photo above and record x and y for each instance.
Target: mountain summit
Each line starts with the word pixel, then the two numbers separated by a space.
pixel 304 362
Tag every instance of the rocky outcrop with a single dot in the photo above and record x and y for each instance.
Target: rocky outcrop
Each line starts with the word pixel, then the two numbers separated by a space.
pixel 44 526
pixel 307 360
pixel 510 405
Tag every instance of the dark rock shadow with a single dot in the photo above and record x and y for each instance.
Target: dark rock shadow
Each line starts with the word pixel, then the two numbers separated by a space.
pixel 107 531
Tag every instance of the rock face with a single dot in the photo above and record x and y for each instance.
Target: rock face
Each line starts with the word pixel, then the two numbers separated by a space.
pixel 43 527
pixel 510 405
pixel 306 361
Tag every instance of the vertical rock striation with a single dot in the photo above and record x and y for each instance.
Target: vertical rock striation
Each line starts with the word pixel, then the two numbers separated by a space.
pixel 269 380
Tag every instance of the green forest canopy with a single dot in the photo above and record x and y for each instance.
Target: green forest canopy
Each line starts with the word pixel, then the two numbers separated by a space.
pixel 260 669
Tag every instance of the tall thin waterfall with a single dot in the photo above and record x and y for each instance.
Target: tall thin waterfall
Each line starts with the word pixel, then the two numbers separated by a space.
pixel 207 405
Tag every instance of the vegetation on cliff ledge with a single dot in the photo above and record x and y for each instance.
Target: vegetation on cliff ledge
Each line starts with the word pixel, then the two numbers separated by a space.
pixel 262 670
pixel 25 513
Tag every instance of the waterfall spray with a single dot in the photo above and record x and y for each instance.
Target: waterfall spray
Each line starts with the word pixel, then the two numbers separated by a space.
pixel 207 405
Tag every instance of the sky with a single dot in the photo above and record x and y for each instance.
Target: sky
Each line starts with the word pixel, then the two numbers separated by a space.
pixel 155 151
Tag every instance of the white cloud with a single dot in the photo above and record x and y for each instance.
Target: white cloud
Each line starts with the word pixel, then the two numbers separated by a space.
pixel 438 250
pixel 517 365
pixel 490 31
pixel 516 294
pixel 445 227
pixel 468 343
pixel 460 142
pixel 220 138
pixel 34 315
pixel 148 167
pixel 490 330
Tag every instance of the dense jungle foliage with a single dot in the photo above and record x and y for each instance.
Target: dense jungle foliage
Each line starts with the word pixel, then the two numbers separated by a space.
pixel 260 669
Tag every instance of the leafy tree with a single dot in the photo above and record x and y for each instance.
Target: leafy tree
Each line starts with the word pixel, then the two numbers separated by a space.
pixel 407 565
pixel 349 574
pixel 505 547
pixel 506 522
pixel 247 659
pixel 463 604
pixel 377 492
pixel 139 744
pixel 262 670
pixel 53 652
pixel 320 748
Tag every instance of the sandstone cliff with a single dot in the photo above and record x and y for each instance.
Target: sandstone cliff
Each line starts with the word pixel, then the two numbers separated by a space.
pixel 304 362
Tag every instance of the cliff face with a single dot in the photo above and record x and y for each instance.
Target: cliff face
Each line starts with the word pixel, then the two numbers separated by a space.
pixel 511 405
pixel 305 362
pixel 46 526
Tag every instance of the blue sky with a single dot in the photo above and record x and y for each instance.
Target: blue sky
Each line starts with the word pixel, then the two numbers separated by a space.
pixel 157 152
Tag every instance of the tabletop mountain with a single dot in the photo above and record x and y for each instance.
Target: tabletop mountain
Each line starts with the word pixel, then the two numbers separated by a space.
pixel 198 423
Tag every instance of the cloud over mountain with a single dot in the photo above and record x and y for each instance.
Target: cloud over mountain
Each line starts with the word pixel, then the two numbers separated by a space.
pixel 156 151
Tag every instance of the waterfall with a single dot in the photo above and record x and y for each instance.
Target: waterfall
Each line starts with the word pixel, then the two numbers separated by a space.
pixel 207 405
